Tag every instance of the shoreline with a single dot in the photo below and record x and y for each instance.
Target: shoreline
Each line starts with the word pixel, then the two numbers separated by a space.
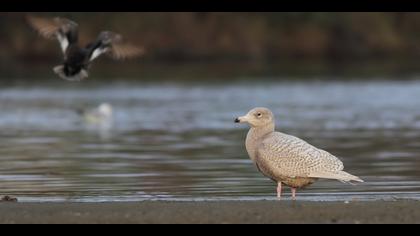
pixel 155 212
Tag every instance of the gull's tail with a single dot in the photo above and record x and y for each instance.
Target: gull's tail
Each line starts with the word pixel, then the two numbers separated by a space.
pixel 340 176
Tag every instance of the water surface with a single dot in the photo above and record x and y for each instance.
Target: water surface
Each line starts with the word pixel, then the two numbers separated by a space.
pixel 177 141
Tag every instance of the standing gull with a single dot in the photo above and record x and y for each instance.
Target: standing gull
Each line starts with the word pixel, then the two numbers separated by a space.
pixel 287 159
pixel 77 59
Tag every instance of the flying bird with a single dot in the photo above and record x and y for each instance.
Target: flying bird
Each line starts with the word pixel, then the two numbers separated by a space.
pixel 287 159
pixel 77 59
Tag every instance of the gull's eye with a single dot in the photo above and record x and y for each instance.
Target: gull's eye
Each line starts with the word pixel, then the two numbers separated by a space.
pixel 259 115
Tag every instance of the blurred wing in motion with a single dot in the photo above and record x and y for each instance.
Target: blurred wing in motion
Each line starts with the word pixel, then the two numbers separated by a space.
pixel 125 51
pixel 64 30
pixel 113 45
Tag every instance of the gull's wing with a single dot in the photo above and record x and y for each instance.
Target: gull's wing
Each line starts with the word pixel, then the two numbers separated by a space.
pixel 112 44
pixel 293 157
pixel 64 30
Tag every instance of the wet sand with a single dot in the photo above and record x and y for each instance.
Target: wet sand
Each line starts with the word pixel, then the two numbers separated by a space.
pixel 213 212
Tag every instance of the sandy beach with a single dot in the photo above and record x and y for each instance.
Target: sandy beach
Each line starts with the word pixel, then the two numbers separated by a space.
pixel 212 212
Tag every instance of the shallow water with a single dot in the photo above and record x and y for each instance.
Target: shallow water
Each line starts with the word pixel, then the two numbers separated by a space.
pixel 177 141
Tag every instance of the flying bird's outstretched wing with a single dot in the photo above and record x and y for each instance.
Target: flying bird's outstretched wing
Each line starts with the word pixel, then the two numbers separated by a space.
pixel 64 30
pixel 112 44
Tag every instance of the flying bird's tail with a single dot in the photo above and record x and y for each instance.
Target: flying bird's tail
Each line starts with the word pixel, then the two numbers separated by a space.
pixel 81 75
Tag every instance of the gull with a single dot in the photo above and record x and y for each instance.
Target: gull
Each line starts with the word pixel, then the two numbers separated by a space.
pixel 286 159
pixel 99 115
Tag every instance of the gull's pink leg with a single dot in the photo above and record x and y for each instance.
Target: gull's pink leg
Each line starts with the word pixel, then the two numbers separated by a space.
pixel 279 190
pixel 293 194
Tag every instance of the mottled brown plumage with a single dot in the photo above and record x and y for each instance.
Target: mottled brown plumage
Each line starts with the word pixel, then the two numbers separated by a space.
pixel 287 159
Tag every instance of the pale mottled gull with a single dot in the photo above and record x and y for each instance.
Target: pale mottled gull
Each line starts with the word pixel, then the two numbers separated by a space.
pixel 287 159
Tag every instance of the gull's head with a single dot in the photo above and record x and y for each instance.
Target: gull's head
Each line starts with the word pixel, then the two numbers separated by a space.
pixel 105 109
pixel 257 117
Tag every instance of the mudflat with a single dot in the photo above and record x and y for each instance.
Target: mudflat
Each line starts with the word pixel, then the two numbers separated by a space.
pixel 225 212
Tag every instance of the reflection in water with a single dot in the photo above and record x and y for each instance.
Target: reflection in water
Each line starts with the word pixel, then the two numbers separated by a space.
pixel 178 141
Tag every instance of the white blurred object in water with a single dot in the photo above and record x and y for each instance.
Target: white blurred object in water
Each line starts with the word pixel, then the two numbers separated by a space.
pixel 98 116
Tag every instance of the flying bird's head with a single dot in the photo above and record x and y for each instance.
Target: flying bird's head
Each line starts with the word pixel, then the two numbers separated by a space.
pixel 65 24
pixel 257 117
pixel 109 37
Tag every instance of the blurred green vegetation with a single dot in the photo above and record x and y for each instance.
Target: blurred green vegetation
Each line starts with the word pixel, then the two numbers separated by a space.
pixel 326 40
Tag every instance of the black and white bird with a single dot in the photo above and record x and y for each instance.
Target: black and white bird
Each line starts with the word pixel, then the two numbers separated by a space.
pixel 77 59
